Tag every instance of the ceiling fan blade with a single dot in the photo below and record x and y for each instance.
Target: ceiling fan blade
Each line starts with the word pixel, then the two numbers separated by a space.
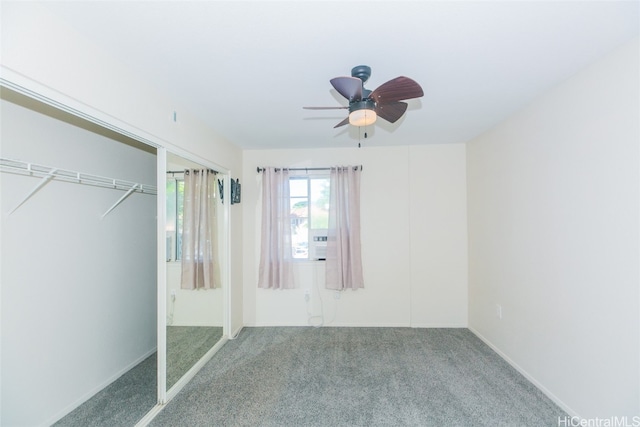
pixel 396 90
pixel 349 87
pixel 325 108
pixel 342 123
pixel 391 111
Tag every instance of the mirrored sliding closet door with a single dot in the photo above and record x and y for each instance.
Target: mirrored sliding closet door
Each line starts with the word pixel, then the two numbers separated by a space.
pixel 194 240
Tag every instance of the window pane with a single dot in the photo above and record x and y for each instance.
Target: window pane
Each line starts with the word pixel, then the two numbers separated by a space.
pixel 300 226
pixel 319 201
pixel 170 225
pixel 299 207
pixel 179 217
pixel 309 201
pixel 298 187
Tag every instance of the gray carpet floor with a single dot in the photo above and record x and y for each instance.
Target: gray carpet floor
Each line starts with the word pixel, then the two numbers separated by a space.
pixel 185 346
pixel 358 377
pixel 122 403
pixel 125 401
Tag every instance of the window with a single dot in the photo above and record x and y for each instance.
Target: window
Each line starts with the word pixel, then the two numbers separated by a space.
pixel 309 196
pixel 175 204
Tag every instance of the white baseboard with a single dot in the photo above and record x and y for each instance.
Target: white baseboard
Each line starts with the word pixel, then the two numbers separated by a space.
pixel 363 325
pixel 369 325
pixel 333 324
pixel 439 326
pixel 195 324
pixel 149 416
pixel 66 411
pixel 534 381
pixel 188 376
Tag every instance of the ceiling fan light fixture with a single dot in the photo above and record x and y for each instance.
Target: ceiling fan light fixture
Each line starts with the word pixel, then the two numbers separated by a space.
pixel 364 117
pixel 362 113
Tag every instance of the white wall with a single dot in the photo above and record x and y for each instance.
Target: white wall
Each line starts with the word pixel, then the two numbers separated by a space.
pixel 40 52
pixel 199 307
pixel 78 291
pixel 438 221
pixel 413 208
pixel 553 238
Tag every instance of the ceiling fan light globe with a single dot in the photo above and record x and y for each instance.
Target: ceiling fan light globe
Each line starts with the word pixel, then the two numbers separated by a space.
pixel 363 117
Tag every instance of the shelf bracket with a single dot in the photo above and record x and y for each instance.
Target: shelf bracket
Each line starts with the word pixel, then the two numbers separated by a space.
pixel 45 180
pixel 120 200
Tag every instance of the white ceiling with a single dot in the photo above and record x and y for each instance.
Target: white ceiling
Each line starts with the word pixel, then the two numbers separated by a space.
pixel 248 68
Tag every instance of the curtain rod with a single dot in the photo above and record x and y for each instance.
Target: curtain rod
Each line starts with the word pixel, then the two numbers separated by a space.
pixel 259 169
pixel 175 172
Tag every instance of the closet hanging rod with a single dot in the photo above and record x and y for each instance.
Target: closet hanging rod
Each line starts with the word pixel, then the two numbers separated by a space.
pixel 259 169
pixel 32 169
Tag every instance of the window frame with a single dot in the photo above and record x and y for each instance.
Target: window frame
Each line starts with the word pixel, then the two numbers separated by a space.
pixel 308 177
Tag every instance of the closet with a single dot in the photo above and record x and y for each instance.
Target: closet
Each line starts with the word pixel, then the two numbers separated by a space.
pixel 84 293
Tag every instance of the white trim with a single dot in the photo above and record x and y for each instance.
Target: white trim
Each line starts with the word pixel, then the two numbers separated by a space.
pixel 26 86
pixel 360 325
pixel 149 416
pixel 439 326
pixel 528 376
pixel 88 395
pixel 226 261
pixel 336 325
pixel 236 333
pixel 188 376
pixel 161 268
pixel 32 89
pixel 198 324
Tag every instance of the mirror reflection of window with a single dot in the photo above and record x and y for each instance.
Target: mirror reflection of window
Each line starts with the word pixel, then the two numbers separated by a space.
pixel 175 206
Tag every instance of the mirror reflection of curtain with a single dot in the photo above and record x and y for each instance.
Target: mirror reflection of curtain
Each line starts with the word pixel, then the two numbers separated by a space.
pixel 200 265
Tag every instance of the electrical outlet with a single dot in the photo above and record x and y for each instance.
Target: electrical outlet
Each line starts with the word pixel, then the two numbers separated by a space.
pixel 499 311
pixel 336 294
pixel 307 294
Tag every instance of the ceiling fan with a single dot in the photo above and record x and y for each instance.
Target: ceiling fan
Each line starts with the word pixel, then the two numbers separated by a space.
pixel 365 105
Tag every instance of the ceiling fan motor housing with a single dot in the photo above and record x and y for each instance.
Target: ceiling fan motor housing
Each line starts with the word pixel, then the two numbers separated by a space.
pixel 363 72
pixel 363 104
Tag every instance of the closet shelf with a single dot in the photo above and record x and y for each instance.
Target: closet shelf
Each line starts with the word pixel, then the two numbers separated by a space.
pixel 49 173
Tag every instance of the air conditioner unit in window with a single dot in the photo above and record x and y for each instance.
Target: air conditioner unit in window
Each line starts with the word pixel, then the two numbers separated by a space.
pixel 318 244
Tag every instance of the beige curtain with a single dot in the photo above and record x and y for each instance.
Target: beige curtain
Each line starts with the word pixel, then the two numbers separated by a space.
pixel 276 256
pixel 344 261
pixel 200 264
